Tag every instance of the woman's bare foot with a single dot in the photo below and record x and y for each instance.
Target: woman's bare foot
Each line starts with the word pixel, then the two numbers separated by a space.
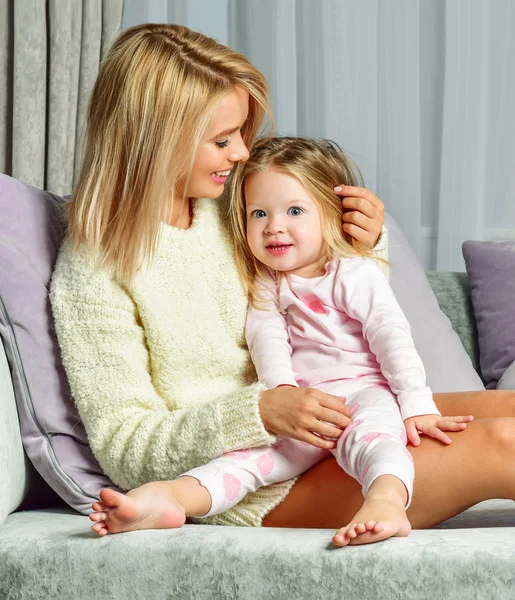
pixel 382 515
pixel 157 505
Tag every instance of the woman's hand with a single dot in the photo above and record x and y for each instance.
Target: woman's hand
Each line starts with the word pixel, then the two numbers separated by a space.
pixel 363 214
pixel 298 413
pixel 434 426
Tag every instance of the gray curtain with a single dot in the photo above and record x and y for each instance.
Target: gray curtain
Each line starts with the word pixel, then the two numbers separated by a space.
pixel 50 51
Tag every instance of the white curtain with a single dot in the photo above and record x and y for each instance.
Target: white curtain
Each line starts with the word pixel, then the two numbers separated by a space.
pixel 419 92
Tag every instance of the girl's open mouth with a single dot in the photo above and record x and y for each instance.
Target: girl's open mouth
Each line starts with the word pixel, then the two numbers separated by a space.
pixel 278 249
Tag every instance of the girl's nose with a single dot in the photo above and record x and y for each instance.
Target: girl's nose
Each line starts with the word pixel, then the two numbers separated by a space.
pixel 275 227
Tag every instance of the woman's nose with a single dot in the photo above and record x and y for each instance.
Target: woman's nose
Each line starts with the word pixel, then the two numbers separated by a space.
pixel 239 150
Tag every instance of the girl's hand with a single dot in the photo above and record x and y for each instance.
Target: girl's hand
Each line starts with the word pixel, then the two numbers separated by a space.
pixel 298 413
pixel 434 426
pixel 363 214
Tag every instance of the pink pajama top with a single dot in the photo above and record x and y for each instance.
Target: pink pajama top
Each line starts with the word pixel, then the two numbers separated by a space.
pixel 345 324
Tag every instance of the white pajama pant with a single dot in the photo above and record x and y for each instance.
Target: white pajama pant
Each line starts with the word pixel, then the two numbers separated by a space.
pixel 373 444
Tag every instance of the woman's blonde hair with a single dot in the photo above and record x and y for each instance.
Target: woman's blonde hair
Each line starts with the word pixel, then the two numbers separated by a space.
pixel 150 107
pixel 319 165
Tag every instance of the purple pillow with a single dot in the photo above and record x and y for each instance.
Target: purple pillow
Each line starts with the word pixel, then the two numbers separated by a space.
pixel 53 436
pixel 447 364
pixel 491 273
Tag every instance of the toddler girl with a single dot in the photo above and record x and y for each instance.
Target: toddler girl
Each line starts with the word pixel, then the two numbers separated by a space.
pixel 321 315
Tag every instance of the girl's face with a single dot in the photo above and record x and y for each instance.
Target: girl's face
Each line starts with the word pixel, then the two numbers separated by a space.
pixel 283 224
pixel 221 148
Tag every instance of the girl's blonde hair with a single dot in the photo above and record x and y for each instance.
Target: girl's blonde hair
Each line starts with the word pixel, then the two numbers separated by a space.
pixel 150 107
pixel 319 165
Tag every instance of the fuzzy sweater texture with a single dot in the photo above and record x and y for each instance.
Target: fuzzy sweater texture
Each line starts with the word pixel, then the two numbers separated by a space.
pixel 159 370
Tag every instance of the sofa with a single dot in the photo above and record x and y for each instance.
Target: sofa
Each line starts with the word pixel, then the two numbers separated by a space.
pixel 47 549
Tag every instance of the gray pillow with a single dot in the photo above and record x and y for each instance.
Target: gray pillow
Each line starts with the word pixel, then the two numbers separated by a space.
pixel 491 272
pixel 507 381
pixel 53 436
pixel 447 364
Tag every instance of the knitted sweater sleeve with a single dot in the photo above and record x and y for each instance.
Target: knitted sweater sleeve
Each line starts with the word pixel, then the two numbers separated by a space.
pixel 134 434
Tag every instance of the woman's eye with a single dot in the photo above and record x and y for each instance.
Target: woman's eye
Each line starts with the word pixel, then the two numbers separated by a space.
pixel 295 211
pixel 257 214
pixel 224 143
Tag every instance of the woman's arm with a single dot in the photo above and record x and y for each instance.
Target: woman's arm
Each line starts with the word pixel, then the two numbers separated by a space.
pixel 133 433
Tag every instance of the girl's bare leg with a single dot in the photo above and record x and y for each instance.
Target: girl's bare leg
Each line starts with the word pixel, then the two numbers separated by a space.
pixel 478 465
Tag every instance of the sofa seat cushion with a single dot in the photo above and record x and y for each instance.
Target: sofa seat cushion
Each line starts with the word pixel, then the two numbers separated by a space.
pixel 53 554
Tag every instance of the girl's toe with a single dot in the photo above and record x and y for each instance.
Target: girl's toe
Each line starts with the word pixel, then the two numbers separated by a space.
pixel 361 528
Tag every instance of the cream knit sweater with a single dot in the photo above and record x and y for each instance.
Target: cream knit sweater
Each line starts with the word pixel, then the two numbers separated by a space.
pixel 159 370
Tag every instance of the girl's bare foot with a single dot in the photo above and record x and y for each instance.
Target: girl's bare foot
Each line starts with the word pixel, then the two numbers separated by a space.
pixel 382 515
pixel 151 506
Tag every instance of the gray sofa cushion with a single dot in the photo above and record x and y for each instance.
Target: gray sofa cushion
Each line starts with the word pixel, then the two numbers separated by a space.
pixel 447 364
pixel 507 381
pixel 53 554
pixel 491 272
pixel 452 291
pixel 54 439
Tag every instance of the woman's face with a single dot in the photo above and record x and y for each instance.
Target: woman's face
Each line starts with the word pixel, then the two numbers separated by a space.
pixel 221 148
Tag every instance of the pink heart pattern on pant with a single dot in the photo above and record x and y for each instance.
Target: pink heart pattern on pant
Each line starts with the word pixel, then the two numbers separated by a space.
pixel 370 437
pixel 238 454
pixel 350 427
pixel 232 486
pixel 265 463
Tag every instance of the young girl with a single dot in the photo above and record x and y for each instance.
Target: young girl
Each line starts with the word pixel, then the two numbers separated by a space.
pixel 322 315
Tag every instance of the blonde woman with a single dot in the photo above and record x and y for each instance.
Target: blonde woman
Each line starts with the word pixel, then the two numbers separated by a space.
pixel 150 310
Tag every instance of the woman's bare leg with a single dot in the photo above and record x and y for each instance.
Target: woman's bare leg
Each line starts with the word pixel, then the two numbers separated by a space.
pixel 482 405
pixel 478 465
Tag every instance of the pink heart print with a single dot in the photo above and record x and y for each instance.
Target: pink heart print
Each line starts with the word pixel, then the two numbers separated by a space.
pixel 354 408
pixel 265 463
pixel 238 454
pixel 350 427
pixel 370 437
pixel 314 303
pixel 232 486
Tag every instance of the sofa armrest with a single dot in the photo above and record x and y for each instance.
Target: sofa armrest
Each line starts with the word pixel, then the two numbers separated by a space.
pixel 13 466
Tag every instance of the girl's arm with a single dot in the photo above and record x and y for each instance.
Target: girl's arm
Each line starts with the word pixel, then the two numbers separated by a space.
pixel 366 296
pixel 135 435
pixel 269 345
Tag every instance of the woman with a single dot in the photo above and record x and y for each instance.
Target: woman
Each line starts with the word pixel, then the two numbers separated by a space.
pixel 150 313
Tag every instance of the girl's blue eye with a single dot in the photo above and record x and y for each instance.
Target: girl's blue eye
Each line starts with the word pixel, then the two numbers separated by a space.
pixel 258 214
pixel 224 143
pixel 295 211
